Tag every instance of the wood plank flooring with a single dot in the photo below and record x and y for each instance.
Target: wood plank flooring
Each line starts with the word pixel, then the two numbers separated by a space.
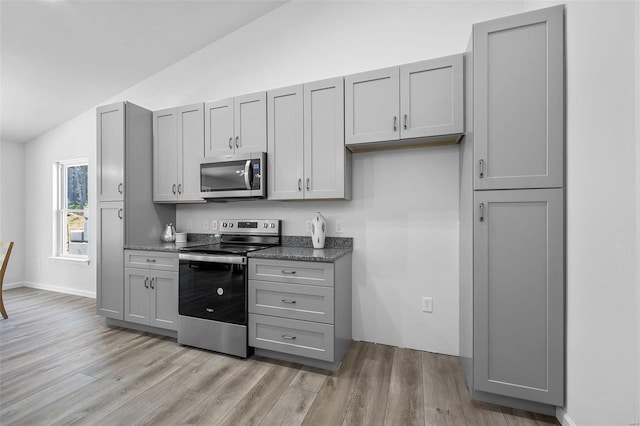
pixel 60 364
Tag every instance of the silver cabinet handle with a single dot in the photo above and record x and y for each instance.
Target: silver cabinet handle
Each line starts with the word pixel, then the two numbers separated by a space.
pixel 120 187
pixel 151 260
pixel 405 121
pixel 288 301
pixel 152 287
pixel 231 142
pixel 247 168
pixel 395 123
pixel 173 188
pixel 120 213
pixel 146 282
pixel 308 185
pixel 299 184
pixel 179 188
pixel 284 336
pixel 284 271
pixel 237 141
pixel 481 169
pixel 481 212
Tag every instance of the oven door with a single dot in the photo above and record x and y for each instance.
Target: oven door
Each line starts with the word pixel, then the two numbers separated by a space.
pixel 233 176
pixel 213 287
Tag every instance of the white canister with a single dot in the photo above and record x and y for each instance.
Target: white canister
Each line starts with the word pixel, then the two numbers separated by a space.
pixel 318 230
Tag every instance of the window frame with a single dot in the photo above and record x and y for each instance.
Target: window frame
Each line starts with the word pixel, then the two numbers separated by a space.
pixel 60 211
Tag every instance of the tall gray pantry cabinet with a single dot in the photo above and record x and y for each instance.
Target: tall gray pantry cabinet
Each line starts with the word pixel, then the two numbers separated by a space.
pixel 512 212
pixel 126 212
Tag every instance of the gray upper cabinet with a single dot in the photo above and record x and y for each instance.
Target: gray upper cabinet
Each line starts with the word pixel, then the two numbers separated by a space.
pixel 110 152
pixel 306 154
pixel 431 97
pixel 372 105
pixel 415 104
pixel 285 159
pixel 519 294
pixel 236 125
pixel 109 289
pixel 178 147
pixel 519 101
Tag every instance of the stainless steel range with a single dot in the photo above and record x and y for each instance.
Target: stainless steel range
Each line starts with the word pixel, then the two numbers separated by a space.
pixel 212 297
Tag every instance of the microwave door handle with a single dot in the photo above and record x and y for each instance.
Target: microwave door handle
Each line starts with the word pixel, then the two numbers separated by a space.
pixel 247 167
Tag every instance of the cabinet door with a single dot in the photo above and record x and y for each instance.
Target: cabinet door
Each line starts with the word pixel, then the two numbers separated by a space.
pixel 431 98
pixel 519 294
pixel 519 101
pixel 372 106
pixel 164 300
pixel 165 155
pixel 191 151
pixel 137 295
pixel 110 264
pixel 110 155
pixel 250 123
pixel 324 151
pixel 218 130
pixel 285 147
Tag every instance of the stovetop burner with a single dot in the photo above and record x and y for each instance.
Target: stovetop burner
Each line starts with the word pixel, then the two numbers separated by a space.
pixel 241 236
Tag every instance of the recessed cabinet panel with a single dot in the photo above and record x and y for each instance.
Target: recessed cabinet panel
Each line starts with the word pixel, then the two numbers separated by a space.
pixel 165 155
pixel 285 147
pixel 136 296
pixel 372 106
pixel 250 123
pixel 164 300
pixel 431 97
pixel 519 101
pixel 110 128
pixel 110 286
pixel 191 134
pixel 219 128
pixel 519 293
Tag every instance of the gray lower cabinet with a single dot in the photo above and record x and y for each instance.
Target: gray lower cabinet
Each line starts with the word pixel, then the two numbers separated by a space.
pixel 519 294
pixel 519 100
pixel 151 293
pixel 300 311
pixel 110 242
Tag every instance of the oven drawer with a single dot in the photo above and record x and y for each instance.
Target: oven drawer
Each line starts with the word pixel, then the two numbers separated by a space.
pixel 295 337
pixel 295 301
pixel 287 271
pixel 158 260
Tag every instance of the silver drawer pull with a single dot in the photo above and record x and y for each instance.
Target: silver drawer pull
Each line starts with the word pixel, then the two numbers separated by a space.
pixel 151 260
pixel 284 336
pixel 288 272
pixel 288 301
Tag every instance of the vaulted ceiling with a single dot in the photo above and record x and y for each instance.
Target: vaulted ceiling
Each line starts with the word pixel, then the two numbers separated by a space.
pixel 59 58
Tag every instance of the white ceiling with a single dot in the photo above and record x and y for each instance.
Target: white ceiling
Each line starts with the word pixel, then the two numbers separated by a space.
pixel 59 58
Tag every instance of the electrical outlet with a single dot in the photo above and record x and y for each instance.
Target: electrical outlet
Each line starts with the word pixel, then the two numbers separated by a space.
pixel 339 227
pixel 308 226
pixel 214 225
pixel 206 225
pixel 427 304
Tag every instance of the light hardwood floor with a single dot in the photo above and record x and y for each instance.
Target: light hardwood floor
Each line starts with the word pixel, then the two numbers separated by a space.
pixel 60 364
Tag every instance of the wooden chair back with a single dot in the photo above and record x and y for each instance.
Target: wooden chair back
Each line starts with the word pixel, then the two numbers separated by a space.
pixel 5 252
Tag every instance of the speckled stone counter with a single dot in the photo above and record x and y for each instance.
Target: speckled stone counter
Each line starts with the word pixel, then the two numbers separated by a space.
pixel 301 253
pixel 193 240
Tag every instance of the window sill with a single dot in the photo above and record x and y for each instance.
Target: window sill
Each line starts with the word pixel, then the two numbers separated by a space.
pixel 75 260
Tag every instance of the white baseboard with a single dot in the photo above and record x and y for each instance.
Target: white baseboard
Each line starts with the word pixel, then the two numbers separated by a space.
pixel 564 418
pixel 49 287
pixel 7 286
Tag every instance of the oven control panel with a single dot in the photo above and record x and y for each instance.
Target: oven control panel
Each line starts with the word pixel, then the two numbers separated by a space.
pixel 250 226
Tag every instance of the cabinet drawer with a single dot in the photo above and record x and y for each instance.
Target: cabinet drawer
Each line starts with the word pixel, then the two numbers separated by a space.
pixel 295 337
pixel 285 271
pixel 151 259
pixel 295 301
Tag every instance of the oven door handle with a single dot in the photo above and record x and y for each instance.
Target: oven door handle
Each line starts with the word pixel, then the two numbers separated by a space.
pixel 213 258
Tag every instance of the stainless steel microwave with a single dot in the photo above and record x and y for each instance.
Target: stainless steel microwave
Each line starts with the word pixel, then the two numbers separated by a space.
pixel 234 176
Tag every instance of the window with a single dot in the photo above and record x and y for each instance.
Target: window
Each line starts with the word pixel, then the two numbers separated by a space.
pixel 71 215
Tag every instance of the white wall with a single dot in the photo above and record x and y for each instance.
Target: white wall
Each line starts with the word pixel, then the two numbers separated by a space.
pixel 602 213
pixel 12 208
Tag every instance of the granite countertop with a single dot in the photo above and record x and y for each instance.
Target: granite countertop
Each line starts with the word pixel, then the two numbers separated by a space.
pixel 162 246
pixel 301 253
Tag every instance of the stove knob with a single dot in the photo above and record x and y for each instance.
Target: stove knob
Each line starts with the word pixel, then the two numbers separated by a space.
pixel 273 225
pixel 224 224
pixel 266 225
pixel 231 225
